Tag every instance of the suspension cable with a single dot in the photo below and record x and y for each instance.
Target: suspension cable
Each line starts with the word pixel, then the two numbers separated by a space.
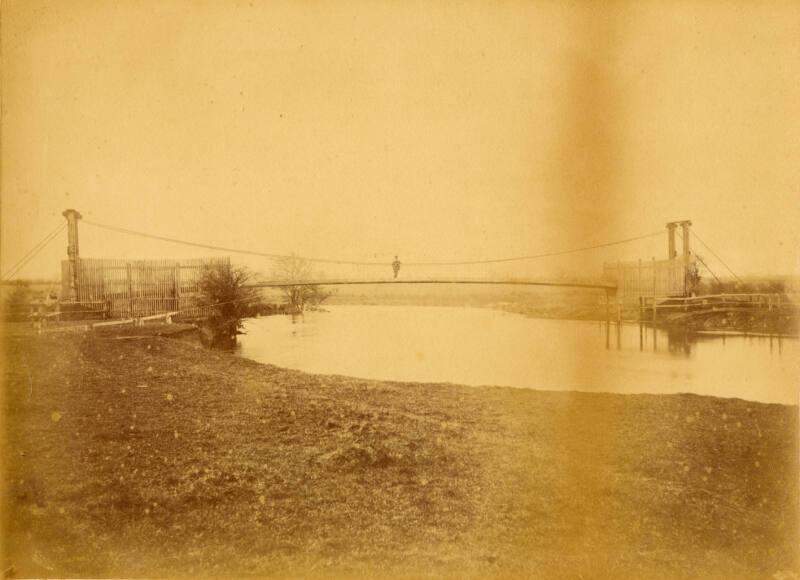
pixel 357 263
pixel 699 239
pixel 702 261
pixel 231 250
pixel 32 252
pixel 536 256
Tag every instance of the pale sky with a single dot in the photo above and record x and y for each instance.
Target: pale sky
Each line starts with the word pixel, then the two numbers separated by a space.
pixel 434 130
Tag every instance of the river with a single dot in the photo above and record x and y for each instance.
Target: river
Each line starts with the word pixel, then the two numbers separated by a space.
pixel 476 346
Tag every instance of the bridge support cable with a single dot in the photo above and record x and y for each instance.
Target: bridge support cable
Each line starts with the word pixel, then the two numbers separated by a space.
pixel 230 250
pixel 707 268
pixel 364 263
pixel 537 256
pixel 707 247
pixel 13 270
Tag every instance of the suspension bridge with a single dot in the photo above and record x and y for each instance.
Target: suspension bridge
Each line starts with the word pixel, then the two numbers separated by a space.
pixel 151 288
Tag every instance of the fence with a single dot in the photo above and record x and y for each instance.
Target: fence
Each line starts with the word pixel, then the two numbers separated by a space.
pixel 136 288
pixel 764 300
pixel 648 278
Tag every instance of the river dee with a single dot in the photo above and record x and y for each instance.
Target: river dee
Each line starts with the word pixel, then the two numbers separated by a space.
pixel 475 346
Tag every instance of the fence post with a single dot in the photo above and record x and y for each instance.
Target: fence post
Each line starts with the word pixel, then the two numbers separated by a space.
pixel 639 282
pixel 177 285
pixel 130 289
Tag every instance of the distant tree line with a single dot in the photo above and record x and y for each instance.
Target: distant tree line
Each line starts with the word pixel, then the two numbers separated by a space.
pixel 727 286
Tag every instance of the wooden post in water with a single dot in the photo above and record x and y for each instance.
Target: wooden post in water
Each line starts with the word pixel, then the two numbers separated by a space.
pixel 655 280
pixel 641 324
pixel 655 322
pixel 639 282
pixel 608 319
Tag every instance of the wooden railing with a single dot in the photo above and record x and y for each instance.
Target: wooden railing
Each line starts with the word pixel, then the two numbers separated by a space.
pixel 41 324
pixel 651 307
pixel 766 300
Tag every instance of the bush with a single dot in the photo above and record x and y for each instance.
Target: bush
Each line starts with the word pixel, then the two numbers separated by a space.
pixel 17 306
pixel 223 289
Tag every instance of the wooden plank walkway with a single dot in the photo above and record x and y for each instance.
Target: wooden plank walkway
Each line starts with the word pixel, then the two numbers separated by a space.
pixel 337 282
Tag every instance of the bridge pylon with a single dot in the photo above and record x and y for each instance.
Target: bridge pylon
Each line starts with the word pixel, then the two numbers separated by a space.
pixel 73 251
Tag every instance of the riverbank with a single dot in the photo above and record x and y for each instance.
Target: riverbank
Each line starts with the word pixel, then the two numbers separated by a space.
pixel 585 305
pixel 152 456
pixel 776 322
pixel 768 322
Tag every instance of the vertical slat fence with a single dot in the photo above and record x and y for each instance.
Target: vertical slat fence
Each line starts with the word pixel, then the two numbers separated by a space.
pixel 647 278
pixel 135 288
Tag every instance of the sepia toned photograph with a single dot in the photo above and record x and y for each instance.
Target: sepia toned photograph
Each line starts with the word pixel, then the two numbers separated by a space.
pixel 374 289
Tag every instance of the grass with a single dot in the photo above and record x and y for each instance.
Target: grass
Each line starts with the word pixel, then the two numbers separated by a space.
pixel 154 457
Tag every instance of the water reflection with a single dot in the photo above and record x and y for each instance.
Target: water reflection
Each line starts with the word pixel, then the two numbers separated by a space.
pixel 485 347
pixel 679 342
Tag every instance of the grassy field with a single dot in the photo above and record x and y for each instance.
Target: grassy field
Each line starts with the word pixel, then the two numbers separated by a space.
pixel 152 456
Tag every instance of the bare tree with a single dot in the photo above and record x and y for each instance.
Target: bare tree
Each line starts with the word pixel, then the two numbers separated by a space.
pixel 298 298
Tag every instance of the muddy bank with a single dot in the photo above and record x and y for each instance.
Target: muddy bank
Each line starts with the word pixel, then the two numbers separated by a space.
pixel 152 456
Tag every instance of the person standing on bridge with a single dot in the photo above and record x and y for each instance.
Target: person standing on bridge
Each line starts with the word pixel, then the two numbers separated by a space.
pixel 396 266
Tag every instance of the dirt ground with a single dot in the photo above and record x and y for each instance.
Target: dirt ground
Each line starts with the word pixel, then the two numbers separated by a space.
pixel 150 456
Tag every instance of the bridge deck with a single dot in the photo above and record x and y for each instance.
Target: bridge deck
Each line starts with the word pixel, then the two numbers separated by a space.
pixel 335 282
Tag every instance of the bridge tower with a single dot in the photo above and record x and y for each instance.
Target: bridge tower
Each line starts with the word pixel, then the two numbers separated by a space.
pixel 685 226
pixel 72 251
pixel 671 252
pixel 685 267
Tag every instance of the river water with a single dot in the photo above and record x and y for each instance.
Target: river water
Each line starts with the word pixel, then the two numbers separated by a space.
pixel 476 346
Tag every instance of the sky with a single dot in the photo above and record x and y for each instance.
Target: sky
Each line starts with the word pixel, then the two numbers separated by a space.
pixel 438 131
